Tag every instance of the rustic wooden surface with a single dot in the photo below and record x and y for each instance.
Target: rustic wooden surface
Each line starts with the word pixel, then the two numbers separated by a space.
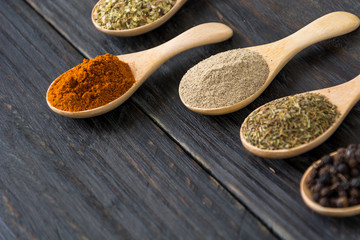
pixel 152 169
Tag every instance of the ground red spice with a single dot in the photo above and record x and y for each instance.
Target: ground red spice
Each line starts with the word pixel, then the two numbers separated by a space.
pixel 91 84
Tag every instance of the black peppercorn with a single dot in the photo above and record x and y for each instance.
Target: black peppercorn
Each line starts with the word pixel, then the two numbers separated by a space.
pixel 342 202
pixel 326 160
pixel 357 155
pixel 333 201
pixel 355 172
pixel 316 196
pixel 313 173
pixel 355 182
pixel 340 156
pixel 332 170
pixel 344 185
pixel 350 151
pixel 310 181
pixel 324 202
pixel 354 193
pixel 353 201
pixel 335 180
pixel 325 178
pixel 325 192
pixel 342 193
pixel 342 168
pixel 352 162
pixel 324 170
pixel 335 185
pixel 317 187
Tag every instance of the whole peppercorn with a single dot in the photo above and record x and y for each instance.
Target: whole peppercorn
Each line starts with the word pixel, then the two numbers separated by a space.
pixel 342 202
pixel 310 181
pixel 342 193
pixel 335 179
pixel 343 168
pixel 353 162
pixel 335 185
pixel 325 178
pixel 353 201
pixel 350 151
pixel 326 159
pixel 355 182
pixel 340 156
pixel 332 170
pixel 315 196
pixel 333 201
pixel 354 193
pixel 324 170
pixel 344 185
pixel 355 172
pixel 326 191
pixel 317 187
pixel 357 155
pixel 313 174
pixel 324 202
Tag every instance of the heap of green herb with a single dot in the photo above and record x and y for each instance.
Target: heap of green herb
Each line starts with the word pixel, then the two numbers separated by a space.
pixel 289 122
pixel 127 14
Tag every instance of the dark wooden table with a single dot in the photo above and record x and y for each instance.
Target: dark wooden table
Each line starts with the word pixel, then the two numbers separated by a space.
pixel 152 169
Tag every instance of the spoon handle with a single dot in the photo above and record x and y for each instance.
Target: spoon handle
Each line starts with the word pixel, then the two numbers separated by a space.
pixel 328 26
pixel 147 61
pixel 200 35
pixel 344 96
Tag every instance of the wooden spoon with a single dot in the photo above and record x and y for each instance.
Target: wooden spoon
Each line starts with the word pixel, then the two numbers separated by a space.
pixel 144 63
pixel 344 96
pixel 328 211
pixel 278 53
pixel 142 29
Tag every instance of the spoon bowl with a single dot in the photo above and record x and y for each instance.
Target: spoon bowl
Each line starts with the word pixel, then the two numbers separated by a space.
pixel 142 29
pixel 328 211
pixel 278 53
pixel 344 96
pixel 144 63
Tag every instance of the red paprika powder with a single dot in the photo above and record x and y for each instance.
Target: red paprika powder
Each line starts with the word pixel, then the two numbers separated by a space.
pixel 91 84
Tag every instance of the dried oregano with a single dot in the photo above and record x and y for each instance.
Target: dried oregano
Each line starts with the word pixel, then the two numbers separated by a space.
pixel 127 14
pixel 289 122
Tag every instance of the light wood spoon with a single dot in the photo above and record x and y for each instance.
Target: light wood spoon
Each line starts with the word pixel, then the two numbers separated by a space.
pixel 278 53
pixel 142 29
pixel 328 211
pixel 144 63
pixel 344 96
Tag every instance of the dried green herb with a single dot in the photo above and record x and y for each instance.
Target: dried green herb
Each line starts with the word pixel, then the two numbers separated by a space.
pixel 127 14
pixel 289 122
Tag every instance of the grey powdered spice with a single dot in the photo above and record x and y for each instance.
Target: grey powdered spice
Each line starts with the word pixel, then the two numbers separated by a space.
pixel 223 79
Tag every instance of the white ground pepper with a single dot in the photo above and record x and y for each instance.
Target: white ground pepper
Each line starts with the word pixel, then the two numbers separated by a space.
pixel 223 79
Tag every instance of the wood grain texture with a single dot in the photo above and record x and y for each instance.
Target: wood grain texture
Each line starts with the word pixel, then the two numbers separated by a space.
pixel 118 176
pixel 269 188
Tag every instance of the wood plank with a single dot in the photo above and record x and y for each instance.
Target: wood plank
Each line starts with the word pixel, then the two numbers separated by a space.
pixel 5 232
pixel 267 187
pixel 118 176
